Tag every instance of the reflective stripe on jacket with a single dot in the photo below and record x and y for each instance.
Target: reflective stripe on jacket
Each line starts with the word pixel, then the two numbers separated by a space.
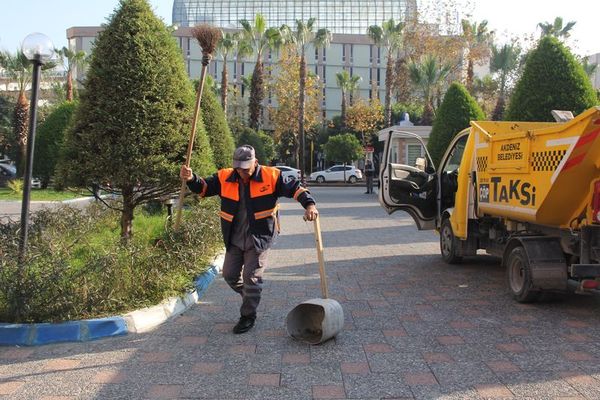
pixel 266 186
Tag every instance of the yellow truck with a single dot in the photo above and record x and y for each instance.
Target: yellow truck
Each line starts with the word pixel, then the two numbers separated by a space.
pixel 528 192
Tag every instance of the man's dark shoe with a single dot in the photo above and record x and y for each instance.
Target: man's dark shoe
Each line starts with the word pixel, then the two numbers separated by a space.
pixel 243 325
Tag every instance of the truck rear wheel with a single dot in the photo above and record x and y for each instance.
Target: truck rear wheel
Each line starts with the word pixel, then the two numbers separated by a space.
pixel 449 243
pixel 519 276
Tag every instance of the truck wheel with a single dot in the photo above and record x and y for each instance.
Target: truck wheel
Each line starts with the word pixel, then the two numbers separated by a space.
pixel 449 243
pixel 520 283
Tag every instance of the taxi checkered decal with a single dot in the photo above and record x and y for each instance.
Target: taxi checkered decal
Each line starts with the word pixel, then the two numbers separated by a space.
pixel 482 163
pixel 546 160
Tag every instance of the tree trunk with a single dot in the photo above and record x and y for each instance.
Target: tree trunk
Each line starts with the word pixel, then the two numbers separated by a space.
pixel 343 116
pixel 224 87
pixel 21 128
pixel 127 214
pixel 256 96
pixel 499 109
pixel 470 75
pixel 389 78
pixel 69 86
pixel 301 117
pixel 402 83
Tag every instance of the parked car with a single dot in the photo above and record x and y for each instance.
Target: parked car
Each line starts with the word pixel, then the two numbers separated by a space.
pixel 8 172
pixel 337 173
pixel 288 173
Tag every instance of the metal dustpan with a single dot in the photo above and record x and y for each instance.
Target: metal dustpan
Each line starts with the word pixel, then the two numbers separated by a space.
pixel 316 320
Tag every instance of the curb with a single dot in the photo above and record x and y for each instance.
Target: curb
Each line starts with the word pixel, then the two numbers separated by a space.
pixel 138 321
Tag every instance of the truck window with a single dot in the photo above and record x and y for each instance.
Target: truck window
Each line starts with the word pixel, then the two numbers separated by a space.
pixel 453 160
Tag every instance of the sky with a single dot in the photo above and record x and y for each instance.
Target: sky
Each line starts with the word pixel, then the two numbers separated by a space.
pixel 506 17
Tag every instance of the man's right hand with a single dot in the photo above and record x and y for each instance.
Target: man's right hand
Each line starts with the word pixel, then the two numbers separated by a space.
pixel 186 173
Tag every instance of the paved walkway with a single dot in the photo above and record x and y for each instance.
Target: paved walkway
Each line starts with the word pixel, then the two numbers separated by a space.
pixel 415 329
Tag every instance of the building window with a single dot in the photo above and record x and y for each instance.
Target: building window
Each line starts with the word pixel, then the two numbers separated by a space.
pixel 324 55
pixel 344 53
pixel 316 54
pixel 413 151
pixel 351 53
pixel 370 54
pixel 378 55
pixel 378 77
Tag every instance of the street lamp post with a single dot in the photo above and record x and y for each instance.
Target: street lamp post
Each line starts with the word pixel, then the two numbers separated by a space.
pixel 38 49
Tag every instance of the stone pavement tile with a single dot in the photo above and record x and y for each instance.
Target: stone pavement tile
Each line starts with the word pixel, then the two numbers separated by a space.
pixel 577 356
pixel 397 362
pixel 157 357
pixel 450 340
pixel 312 374
pixel 264 379
pixel 361 368
pixel 460 325
pixel 207 368
pixel 375 385
pixel 437 357
pixel 537 384
pixel 474 352
pixel 429 392
pixel 511 347
pixel 359 336
pixel 328 392
pixel 331 351
pixel 371 348
pixel 577 337
pixel 164 391
pixel 502 366
pixel 10 387
pixel 419 378
pixel 61 364
pixel 112 376
pixel 295 358
pixel 57 397
pixel 515 331
pixel 463 374
pixel 494 391
pixel 540 360
pixel 13 354
pixel 484 334
pixel 576 323
pixel 194 340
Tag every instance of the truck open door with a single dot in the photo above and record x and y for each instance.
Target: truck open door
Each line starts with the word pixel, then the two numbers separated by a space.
pixel 408 179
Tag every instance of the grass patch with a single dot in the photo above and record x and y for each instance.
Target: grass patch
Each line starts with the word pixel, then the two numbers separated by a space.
pixel 43 194
pixel 77 267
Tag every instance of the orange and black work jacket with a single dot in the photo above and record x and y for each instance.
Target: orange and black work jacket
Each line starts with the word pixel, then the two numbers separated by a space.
pixel 266 186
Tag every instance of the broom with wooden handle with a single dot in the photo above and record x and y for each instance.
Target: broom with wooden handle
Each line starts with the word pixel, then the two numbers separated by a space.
pixel 208 36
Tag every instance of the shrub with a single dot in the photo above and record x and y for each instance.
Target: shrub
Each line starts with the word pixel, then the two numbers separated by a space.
pixel 552 80
pixel 262 143
pixel 343 148
pixel 132 125
pixel 217 129
pixel 455 113
pixel 49 140
pixel 75 268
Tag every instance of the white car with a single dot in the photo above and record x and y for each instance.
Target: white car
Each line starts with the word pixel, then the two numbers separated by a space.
pixel 337 173
pixel 288 173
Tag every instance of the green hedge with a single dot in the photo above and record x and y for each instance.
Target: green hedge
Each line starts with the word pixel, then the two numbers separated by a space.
pixel 552 80
pixel 78 268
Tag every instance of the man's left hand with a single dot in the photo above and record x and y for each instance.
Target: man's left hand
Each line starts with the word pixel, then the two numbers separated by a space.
pixel 311 213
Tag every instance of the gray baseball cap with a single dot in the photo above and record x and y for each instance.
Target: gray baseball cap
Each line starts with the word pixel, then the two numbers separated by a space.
pixel 243 157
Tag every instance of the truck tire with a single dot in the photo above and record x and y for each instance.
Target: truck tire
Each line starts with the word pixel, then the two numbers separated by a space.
pixel 518 271
pixel 449 243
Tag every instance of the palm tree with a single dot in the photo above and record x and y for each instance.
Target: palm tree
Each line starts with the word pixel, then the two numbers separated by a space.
pixel 388 36
pixel 71 59
pixel 427 76
pixel 225 46
pixel 348 84
pixel 477 42
pixel 300 38
pixel 504 61
pixel 261 38
pixel 19 69
pixel 556 28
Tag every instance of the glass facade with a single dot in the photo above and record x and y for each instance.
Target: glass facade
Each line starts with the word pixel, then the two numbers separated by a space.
pixel 342 17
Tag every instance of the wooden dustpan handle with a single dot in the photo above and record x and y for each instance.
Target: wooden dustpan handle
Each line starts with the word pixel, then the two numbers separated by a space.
pixel 319 243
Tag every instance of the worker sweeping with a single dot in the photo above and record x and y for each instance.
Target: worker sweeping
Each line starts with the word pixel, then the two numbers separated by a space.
pixel 249 195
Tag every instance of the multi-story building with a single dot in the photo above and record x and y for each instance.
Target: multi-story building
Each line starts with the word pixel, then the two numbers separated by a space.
pixel 348 20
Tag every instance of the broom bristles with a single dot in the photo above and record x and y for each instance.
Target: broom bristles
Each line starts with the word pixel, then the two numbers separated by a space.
pixel 208 37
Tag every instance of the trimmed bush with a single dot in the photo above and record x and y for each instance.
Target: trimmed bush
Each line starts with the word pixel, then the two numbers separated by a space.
pixel 49 140
pixel 343 148
pixel 217 129
pixel 552 80
pixel 133 122
pixel 262 143
pixel 455 113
